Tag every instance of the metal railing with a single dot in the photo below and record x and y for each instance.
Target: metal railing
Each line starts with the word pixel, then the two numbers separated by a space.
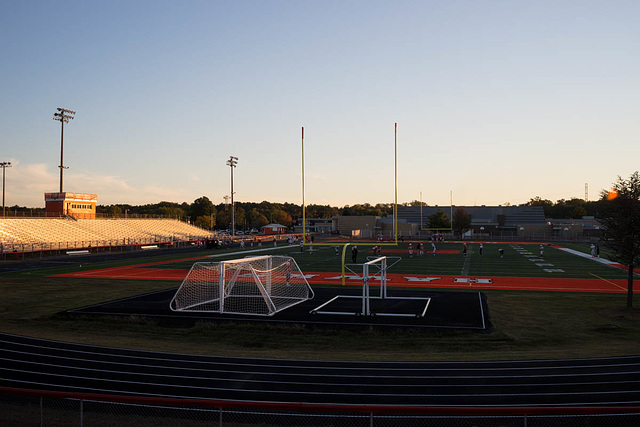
pixel 42 408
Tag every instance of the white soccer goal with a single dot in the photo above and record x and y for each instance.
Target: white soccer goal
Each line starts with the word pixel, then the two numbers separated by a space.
pixel 261 286
pixel 374 273
pixel 374 270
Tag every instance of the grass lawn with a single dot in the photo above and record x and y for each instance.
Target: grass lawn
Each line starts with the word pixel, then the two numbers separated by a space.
pixel 527 324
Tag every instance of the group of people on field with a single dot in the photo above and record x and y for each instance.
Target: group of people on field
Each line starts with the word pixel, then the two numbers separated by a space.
pixel 420 249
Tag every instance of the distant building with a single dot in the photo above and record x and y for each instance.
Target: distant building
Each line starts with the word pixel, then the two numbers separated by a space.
pixel 513 221
pixel 587 226
pixel 274 229
pixel 366 226
pixel 315 225
pixel 75 205
pixel 526 222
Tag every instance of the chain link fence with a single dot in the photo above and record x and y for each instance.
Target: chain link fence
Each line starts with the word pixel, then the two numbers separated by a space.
pixel 33 410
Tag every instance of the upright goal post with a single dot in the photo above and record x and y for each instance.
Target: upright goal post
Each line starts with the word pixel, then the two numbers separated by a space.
pixel 374 272
pixel 346 245
pixel 423 228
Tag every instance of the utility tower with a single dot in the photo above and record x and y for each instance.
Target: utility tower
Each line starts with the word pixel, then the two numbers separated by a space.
pixel 63 116
pixel 586 191
pixel 232 162
pixel 4 166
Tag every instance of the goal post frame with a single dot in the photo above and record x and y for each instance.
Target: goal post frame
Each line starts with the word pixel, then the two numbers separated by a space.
pixel 366 277
pixel 346 245
pixel 422 228
pixel 266 285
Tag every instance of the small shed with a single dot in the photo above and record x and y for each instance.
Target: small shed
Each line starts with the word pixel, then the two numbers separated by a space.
pixel 274 229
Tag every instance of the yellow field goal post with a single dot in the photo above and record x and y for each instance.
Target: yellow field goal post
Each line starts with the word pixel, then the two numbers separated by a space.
pixel 346 245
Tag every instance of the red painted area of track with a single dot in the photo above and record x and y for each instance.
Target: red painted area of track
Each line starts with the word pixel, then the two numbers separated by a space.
pixel 394 280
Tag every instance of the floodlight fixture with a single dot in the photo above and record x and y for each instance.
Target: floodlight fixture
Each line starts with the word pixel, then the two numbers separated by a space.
pixel 63 116
pixel 4 166
pixel 232 163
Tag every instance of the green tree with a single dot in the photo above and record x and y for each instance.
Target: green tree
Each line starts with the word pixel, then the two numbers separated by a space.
pixel 171 212
pixel 251 216
pixel 575 208
pixel 114 210
pixel 260 221
pixel 240 217
pixel 282 217
pixel 439 220
pixel 316 211
pixel 223 217
pixel 201 206
pixel 620 219
pixel 547 205
pixel 204 221
pixel 461 220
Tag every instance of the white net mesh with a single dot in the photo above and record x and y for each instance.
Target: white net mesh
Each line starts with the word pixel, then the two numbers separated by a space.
pixel 258 286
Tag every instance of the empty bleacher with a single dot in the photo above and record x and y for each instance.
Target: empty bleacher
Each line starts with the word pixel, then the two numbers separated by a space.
pixel 47 234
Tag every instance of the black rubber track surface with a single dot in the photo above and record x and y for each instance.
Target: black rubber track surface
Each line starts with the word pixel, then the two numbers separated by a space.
pixel 47 365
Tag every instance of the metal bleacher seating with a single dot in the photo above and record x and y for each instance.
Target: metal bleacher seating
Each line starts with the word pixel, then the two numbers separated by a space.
pixel 40 234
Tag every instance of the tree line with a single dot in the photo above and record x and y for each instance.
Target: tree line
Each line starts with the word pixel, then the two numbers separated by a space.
pixel 204 213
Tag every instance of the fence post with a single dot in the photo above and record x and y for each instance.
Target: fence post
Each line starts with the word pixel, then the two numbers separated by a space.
pixel 81 413
pixel 41 413
pixel 370 419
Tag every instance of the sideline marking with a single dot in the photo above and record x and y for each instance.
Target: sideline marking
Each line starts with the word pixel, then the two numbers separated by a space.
pixel 466 262
pixel 594 275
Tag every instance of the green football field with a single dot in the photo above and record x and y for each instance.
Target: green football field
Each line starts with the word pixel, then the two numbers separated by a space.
pixel 527 322
pixel 519 260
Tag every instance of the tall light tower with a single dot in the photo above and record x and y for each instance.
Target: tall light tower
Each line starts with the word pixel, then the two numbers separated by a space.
pixel 586 192
pixel 63 116
pixel 232 162
pixel 4 166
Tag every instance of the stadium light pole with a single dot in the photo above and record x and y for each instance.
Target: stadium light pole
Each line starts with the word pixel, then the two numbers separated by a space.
pixel 63 116
pixel 232 162
pixel 4 166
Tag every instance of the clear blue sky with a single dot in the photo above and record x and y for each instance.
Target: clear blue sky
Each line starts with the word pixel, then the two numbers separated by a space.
pixel 497 101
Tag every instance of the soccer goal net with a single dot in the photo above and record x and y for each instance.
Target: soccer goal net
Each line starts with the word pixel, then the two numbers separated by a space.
pixel 261 285
pixel 374 274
